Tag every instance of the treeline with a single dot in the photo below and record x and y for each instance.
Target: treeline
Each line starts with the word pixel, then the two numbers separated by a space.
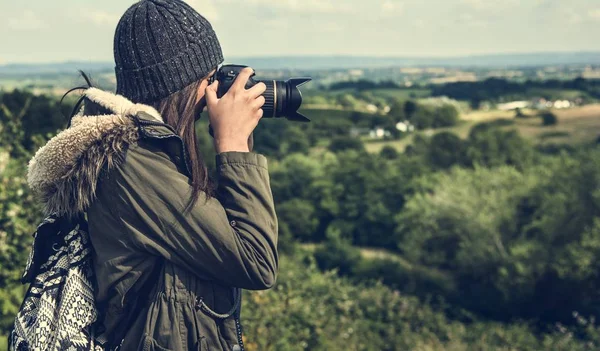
pixel 364 84
pixel 489 223
pixel 497 243
pixel 493 89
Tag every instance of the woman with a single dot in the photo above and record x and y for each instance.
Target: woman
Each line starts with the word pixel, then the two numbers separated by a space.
pixel 171 251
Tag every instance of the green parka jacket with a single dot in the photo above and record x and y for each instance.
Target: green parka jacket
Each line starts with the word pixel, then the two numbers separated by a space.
pixel 165 280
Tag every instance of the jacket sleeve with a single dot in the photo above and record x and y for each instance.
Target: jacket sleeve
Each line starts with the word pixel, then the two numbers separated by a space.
pixel 230 238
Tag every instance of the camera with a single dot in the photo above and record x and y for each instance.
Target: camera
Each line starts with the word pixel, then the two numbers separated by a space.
pixel 282 98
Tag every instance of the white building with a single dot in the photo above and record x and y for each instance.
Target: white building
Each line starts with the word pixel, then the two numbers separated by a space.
pixel 513 105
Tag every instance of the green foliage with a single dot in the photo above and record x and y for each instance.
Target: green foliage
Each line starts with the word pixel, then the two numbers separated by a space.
pixel 24 118
pixel 446 150
pixel 431 116
pixel 310 310
pixel 410 107
pixel 491 147
pixel 487 232
pixel 398 110
pixel 24 121
pixel 389 153
pixel 346 143
pixel 299 217
pixel 498 89
pixel 525 243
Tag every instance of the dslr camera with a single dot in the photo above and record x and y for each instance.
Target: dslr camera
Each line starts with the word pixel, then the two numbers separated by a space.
pixel 282 98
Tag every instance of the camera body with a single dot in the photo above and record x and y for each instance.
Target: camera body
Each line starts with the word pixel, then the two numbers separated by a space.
pixel 282 98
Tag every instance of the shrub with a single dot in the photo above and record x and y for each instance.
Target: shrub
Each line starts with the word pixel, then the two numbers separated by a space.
pixel 310 310
pixel 389 153
pixel 346 143
pixel 549 119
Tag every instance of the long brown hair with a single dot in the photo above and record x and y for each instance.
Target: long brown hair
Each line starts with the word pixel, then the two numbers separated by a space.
pixel 179 110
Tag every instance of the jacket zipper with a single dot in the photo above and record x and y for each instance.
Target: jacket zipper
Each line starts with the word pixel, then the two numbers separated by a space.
pixel 238 326
pixel 236 315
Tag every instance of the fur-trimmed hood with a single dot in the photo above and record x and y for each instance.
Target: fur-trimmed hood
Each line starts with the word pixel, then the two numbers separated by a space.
pixel 64 172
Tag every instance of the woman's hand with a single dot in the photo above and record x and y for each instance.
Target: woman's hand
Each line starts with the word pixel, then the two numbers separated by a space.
pixel 234 116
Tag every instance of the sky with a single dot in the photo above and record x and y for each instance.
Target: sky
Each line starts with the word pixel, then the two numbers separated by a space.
pixel 40 31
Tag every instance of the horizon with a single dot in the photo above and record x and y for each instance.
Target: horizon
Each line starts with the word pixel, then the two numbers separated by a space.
pixel 326 56
pixel 74 31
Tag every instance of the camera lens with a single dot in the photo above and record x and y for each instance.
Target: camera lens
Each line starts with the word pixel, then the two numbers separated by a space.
pixel 283 99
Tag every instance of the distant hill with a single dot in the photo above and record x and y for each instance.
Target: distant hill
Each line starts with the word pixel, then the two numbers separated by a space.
pixel 340 62
pixel 54 68
pixel 346 62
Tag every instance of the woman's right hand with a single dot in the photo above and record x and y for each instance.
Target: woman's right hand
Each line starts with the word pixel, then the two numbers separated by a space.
pixel 234 116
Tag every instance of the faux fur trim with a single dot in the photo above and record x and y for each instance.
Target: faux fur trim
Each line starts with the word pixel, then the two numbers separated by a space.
pixel 64 173
pixel 119 104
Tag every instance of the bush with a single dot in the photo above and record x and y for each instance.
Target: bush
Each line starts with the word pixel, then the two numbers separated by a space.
pixel 462 222
pixel 446 150
pixel 300 219
pixel 389 153
pixel 518 244
pixel 338 254
pixel 491 147
pixel 310 310
pixel 427 116
pixel 346 143
pixel 549 119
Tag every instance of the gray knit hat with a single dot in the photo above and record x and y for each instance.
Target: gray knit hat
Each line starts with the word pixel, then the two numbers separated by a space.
pixel 162 46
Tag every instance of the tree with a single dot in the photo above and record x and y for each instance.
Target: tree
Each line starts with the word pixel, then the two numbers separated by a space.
pixel 300 218
pixel 424 117
pixel 446 150
pixel 397 110
pixel 549 119
pixel 445 116
pixel 346 143
pixel 410 107
pixel 463 222
pixel 295 141
pixel 490 146
pixel 389 153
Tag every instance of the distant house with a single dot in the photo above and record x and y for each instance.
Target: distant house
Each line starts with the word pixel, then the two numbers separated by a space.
pixel 513 105
pixel 379 133
pixel 543 104
pixel 405 126
pixel 371 108
pixel 358 132
pixel 562 104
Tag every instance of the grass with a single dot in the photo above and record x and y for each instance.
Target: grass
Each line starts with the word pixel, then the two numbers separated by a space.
pixel 554 134
pixel 401 94
pixel 372 253
pixel 575 126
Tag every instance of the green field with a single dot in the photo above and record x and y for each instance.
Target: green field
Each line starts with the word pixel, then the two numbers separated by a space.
pixel 577 125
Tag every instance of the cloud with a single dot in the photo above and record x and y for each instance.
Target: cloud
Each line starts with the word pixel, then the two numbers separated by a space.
pixel 495 5
pixel 302 6
pixel 26 22
pixel 469 20
pixel 392 7
pixel 206 8
pixel 478 4
pixel 101 18
pixel 595 14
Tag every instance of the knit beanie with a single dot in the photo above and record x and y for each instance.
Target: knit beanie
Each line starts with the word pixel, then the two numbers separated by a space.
pixel 160 47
